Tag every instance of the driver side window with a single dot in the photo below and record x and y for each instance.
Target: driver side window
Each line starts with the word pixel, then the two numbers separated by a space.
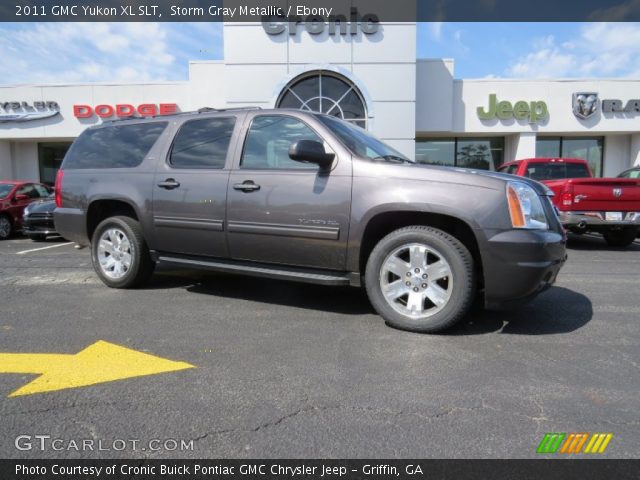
pixel 268 141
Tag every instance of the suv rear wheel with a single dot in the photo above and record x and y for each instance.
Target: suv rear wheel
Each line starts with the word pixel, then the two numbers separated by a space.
pixel 420 279
pixel 120 254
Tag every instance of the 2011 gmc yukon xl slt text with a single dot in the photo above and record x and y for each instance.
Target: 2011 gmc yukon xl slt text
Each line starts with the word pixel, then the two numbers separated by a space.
pixel 302 196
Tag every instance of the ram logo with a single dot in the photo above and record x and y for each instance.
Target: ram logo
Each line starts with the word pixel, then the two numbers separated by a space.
pixel 585 104
pixel 617 192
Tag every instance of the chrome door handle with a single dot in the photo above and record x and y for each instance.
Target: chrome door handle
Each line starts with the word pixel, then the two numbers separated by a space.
pixel 169 184
pixel 246 186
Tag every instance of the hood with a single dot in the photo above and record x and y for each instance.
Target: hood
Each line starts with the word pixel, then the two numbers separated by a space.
pixel 42 206
pixel 454 175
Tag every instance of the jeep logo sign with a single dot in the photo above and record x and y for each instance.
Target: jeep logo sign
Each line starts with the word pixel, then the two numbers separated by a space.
pixel 532 112
pixel 315 25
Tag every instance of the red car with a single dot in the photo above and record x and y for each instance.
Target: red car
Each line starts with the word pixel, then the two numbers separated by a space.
pixel 15 195
pixel 610 206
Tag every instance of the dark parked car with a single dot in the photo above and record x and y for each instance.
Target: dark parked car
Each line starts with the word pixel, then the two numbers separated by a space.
pixel 14 197
pixel 631 173
pixel 307 197
pixel 37 220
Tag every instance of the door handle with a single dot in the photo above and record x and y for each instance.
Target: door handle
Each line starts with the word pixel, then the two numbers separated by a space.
pixel 169 184
pixel 246 186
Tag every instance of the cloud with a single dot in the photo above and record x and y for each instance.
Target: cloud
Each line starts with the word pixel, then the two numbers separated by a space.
pixel 602 49
pixel 435 30
pixel 104 52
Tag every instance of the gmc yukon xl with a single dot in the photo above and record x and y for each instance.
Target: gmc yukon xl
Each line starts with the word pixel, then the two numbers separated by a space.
pixel 295 195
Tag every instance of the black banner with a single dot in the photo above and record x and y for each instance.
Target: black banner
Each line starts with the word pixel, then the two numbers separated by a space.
pixel 318 10
pixel 547 469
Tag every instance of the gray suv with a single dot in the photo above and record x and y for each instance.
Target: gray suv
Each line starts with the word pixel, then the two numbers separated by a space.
pixel 294 195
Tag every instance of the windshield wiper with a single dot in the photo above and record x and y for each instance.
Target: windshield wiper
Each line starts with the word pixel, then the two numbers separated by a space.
pixel 392 158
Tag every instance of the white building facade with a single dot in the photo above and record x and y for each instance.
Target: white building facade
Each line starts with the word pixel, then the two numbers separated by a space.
pixel 367 74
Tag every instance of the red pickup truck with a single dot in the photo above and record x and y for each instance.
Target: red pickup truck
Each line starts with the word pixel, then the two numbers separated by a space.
pixel 610 206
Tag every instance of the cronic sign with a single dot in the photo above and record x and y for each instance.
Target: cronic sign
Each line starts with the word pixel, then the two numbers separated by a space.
pixel 315 24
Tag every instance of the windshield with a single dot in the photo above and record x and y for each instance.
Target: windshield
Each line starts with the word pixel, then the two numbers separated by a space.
pixel 5 188
pixel 630 174
pixel 361 142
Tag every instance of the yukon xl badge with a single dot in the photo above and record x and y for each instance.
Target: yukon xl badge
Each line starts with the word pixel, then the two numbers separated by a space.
pixel 585 104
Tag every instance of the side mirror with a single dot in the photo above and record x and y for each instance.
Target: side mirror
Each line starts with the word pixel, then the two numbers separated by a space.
pixel 21 196
pixel 310 151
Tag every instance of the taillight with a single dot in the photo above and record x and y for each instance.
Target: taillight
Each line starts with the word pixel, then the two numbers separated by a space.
pixel 567 199
pixel 58 188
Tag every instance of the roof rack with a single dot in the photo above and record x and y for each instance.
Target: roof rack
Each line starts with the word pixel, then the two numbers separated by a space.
pixel 211 109
pixel 190 112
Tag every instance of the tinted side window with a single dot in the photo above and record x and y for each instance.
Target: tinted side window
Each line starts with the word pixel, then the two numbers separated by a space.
pixel 29 190
pixel 268 141
pixel 42 190
pixel 113 146
pixel 202 143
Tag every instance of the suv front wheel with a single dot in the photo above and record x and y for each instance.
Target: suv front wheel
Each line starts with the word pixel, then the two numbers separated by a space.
pixel 420 279
pixel 119 253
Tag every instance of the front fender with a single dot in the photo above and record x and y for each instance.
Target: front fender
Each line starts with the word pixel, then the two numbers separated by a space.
pixel 479 207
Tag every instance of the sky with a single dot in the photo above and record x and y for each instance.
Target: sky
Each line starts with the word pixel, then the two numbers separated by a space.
pixel 130 52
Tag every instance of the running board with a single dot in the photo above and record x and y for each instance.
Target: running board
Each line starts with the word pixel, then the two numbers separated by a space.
pixel 320 277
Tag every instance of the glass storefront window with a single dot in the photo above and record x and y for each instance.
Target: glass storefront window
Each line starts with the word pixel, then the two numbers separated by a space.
pixel 436 152
pixel 587 148
pixel 50 156
pixel 478 153
pixel 547 147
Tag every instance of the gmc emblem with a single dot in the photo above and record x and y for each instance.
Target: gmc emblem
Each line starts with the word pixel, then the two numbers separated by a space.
pixel 617 192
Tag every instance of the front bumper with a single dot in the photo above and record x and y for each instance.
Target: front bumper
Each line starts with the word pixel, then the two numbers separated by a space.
pixel 599 219
pixel 42 225
pixel 519 264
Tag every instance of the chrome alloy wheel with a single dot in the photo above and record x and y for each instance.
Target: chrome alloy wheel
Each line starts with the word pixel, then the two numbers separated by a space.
pixel 5 227
pixel 114 253
pixel 416 280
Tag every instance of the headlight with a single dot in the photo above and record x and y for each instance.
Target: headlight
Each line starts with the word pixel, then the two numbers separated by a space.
pixel 525 207
pixel 26 210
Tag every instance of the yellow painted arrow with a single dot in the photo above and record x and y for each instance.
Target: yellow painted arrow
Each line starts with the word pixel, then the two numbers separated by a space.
pixel 98 363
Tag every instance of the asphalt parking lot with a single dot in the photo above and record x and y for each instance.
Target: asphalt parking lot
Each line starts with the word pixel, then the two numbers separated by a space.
pixel 293 370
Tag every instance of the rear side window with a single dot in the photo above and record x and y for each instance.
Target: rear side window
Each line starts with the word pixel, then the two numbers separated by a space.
pixel 202 143
pixel 119 146
pixel 552 171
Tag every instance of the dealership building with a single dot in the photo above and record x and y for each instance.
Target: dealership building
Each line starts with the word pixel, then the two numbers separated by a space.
pixel 367 73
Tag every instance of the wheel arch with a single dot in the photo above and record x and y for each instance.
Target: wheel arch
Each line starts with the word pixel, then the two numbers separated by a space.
pixel 383 223
pixel 102 208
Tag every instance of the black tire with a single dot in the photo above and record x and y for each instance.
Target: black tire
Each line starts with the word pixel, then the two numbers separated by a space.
pixel 6 228
pixel 462 290
pixel 621 238
pixel 141 265
pixel 38 238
